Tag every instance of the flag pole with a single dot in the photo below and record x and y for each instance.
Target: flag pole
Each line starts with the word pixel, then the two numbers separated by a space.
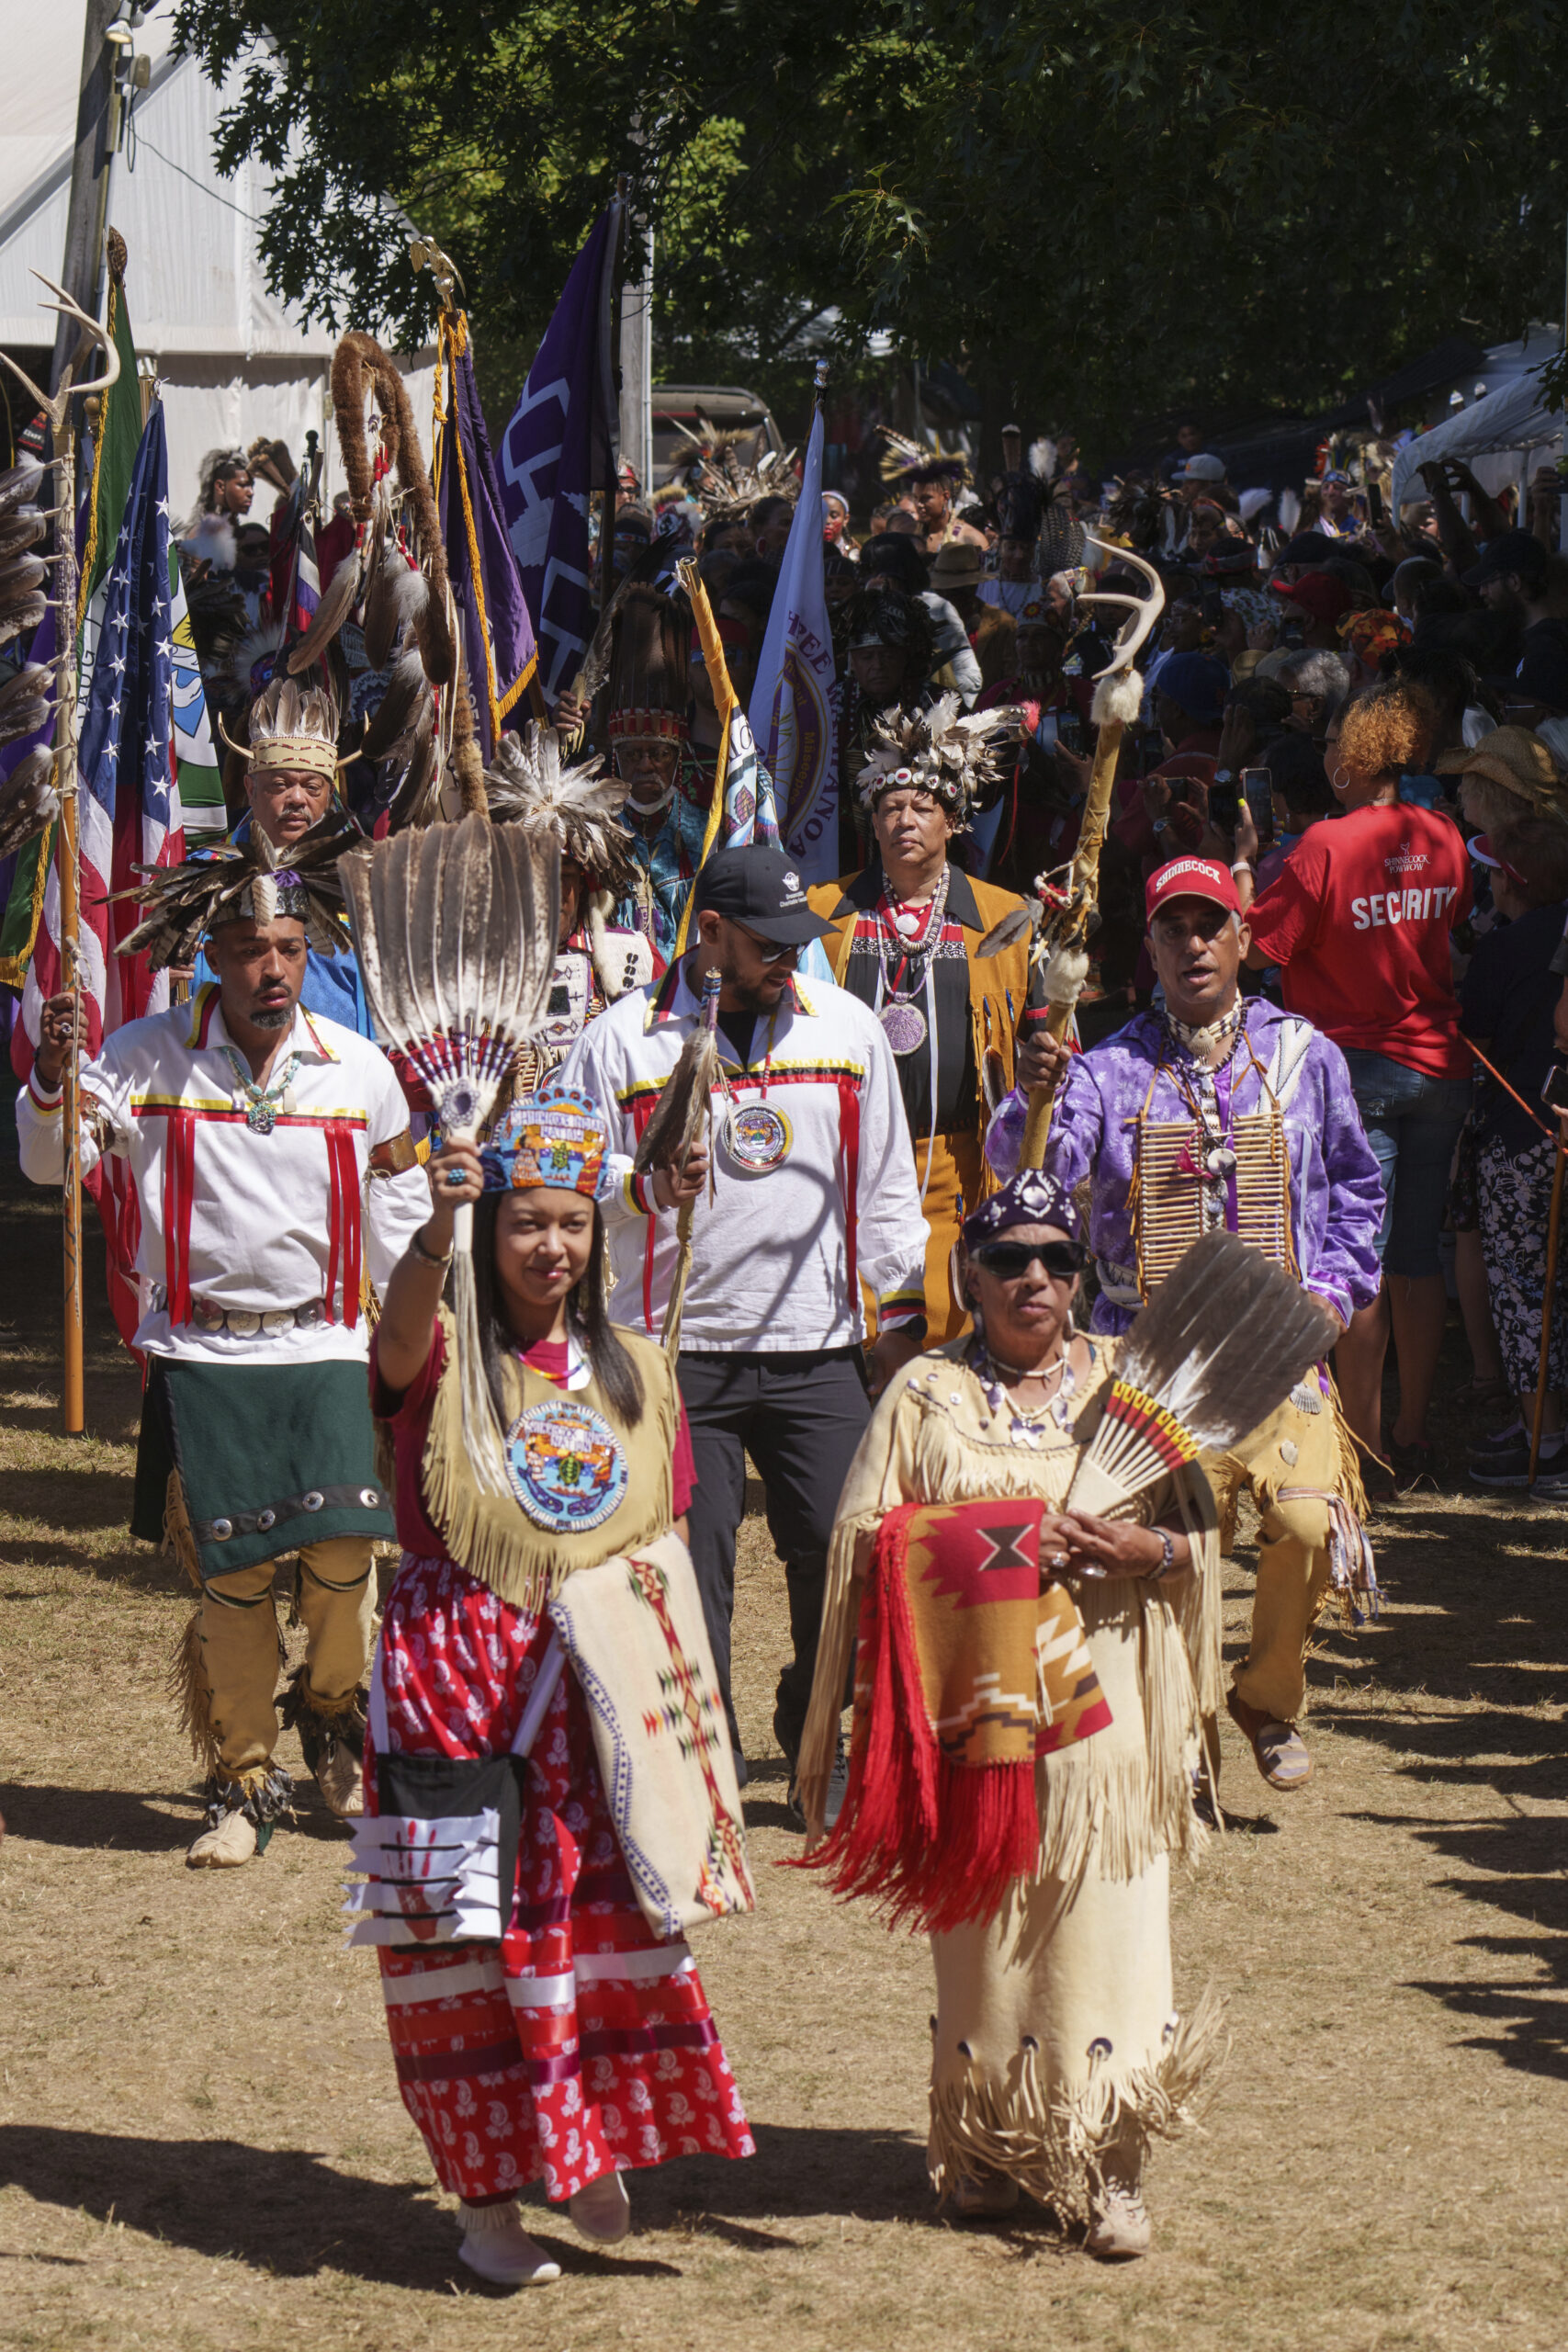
pixel 56 409
pixel 608 517
pixel 68 867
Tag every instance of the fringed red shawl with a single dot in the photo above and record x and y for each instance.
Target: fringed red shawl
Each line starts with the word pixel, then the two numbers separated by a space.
pixel 967 1672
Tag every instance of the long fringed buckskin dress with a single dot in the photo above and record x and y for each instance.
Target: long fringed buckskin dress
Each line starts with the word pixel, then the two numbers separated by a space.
pixel 1058 2053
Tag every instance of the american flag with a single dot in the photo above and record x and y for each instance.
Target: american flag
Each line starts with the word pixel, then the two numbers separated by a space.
pixel 128 813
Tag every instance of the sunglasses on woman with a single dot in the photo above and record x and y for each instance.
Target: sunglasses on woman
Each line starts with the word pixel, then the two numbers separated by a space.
pixel 1008 1260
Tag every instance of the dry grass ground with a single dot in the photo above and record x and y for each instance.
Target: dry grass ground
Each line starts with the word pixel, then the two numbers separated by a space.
pixel 201 2145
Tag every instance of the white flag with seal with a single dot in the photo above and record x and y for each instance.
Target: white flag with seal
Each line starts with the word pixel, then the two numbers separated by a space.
pixel 791 714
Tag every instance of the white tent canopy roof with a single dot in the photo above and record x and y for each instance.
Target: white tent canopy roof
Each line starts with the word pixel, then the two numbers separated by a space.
pixel 1504 427
pixel 233 360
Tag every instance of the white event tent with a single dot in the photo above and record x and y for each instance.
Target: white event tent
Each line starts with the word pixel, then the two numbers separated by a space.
pixel 1503 436
pixel 232 360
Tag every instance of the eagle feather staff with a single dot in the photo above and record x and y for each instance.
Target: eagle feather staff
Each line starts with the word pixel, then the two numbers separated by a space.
pixel 683 1113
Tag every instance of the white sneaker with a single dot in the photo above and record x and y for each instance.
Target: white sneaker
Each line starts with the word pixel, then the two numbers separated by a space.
pixel 498 2248
pixel 341 1780
pixel 603 2211
pixel 231 1842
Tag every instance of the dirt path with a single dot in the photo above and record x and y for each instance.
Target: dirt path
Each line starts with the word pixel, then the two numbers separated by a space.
pixel 201 2144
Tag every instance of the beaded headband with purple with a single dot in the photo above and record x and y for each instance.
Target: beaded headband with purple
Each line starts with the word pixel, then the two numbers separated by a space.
pixel 1032 1198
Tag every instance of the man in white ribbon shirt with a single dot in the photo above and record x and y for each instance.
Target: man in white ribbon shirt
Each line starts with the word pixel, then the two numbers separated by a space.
pixel 273 1163
pixel 814 1194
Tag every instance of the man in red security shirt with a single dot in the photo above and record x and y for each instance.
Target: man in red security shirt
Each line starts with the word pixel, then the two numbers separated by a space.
pixel 1359 920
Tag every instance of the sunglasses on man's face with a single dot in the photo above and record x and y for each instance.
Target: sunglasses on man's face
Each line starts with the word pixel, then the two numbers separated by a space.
pixel 774 951
pixel 1008 1260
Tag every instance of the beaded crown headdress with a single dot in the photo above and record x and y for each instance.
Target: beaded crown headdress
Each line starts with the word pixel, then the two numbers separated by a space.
pixel 557 1138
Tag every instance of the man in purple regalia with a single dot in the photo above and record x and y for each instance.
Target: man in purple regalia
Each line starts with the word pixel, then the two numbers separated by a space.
pixel 1213 1112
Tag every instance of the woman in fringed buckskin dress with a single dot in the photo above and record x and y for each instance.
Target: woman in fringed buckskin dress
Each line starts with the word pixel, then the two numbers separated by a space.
pixel 1058 2053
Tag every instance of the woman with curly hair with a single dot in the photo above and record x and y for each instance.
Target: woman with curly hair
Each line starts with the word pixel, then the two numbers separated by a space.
pixel 1359 921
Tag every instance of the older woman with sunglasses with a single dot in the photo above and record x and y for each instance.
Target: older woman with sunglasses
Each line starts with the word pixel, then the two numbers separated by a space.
pixel 1057 2055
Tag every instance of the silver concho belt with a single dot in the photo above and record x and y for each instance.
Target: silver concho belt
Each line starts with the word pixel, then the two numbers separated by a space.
pixel 244 1323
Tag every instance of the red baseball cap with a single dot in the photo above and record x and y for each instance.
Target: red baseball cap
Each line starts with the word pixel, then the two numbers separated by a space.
pixel 1319 593
pixel 1191 878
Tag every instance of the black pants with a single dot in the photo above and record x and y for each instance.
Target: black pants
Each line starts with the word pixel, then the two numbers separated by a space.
pixel 800 1417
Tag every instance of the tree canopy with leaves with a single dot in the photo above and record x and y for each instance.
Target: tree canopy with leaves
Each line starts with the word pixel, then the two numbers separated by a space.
pixel 1101 211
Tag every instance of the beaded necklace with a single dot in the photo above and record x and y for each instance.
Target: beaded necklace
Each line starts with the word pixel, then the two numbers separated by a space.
pixel 1025 1420
pixel 262 1104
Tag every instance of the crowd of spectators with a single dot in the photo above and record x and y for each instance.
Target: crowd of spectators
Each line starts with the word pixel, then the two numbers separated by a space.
pixel 1368 718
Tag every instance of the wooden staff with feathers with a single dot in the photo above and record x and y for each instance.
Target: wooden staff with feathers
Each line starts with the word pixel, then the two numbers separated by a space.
pixel 1059 949
pixel 683 1114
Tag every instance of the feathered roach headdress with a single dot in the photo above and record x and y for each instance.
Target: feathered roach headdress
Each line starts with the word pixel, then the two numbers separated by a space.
pixel 952 756
pixel 577 807
pixel 907 461
pixel 247 881
pixel 649 651
pixel 727 485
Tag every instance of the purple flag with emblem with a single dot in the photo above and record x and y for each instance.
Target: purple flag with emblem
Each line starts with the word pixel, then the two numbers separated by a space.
pixel 497 637
pixel 558 449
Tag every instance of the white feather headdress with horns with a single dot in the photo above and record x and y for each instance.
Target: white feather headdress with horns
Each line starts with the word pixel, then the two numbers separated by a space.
pixel 948 754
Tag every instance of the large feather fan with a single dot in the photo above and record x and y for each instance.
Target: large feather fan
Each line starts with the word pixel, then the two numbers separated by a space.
pixel 1219 1347
pixel 456 931
pixel 953 754
pixel 578 807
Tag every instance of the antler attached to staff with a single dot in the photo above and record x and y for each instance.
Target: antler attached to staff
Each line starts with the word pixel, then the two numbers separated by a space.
pixel 1063 922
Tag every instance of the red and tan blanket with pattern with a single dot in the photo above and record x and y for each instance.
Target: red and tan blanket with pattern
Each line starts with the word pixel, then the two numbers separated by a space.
pixel 965 1673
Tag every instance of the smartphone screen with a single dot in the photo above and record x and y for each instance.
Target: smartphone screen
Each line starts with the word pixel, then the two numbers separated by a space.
pixel 1257 785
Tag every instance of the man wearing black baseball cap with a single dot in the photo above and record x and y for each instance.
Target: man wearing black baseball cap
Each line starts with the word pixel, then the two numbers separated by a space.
pixel 1510 580
pixel 812 1194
